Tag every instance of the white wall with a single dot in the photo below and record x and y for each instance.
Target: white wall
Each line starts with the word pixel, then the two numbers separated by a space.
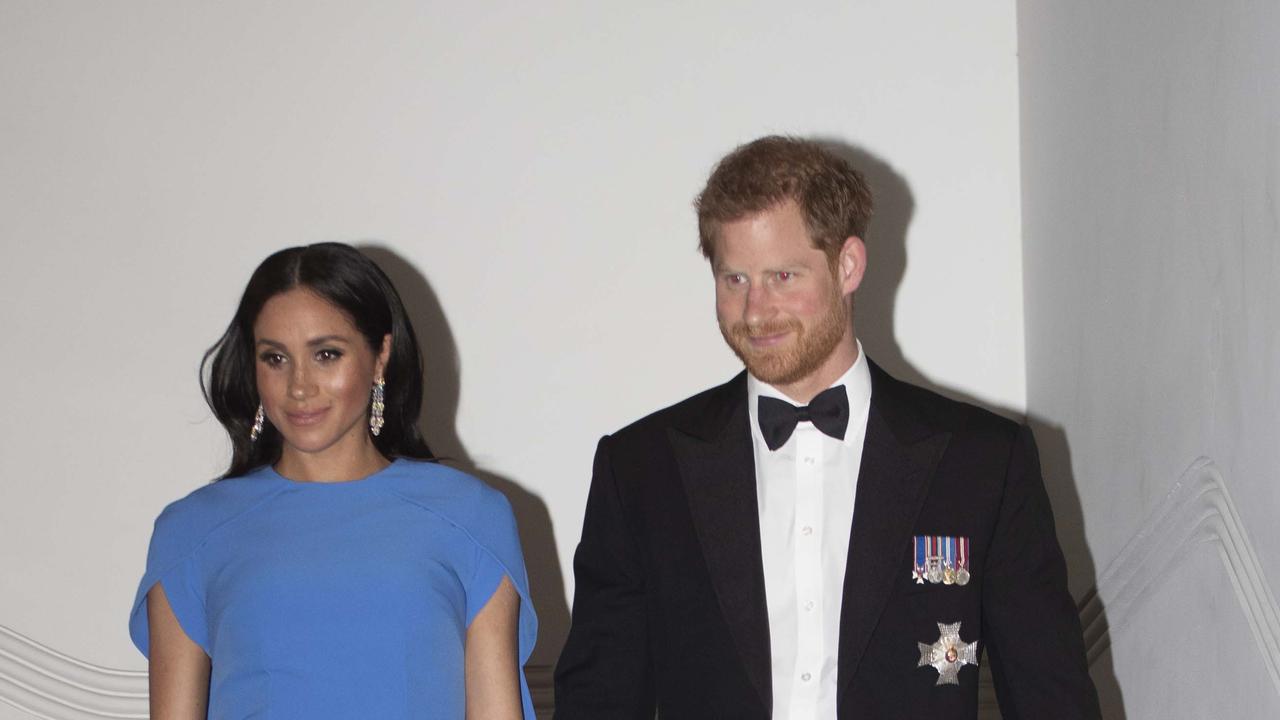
pixel 1151 188
pixel 527 170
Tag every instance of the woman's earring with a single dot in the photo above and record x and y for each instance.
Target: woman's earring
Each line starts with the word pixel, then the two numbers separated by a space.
pixel 258 421
pixel 375 416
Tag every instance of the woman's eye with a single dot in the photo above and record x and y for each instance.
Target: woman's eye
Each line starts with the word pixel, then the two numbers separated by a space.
pixel 272 359
pixel 328 355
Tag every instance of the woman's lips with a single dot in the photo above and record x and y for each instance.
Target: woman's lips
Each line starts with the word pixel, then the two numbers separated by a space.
pixel 310 417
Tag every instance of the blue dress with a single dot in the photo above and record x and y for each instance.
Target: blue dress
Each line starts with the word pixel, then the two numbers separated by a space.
pixel 336 600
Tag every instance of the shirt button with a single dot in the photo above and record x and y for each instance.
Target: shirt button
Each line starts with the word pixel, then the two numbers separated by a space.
pixel 808 605
pixel 805 677
pixel 806 530
pixel 808 460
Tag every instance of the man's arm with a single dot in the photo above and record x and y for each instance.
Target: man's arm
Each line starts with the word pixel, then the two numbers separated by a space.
pixel 1032 627
pixel 604 671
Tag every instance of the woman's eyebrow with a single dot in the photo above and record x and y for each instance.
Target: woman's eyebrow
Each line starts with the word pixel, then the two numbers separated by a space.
pixel 323 339
pixel 328 339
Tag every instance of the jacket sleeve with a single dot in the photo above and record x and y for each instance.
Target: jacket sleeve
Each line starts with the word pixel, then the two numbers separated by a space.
pixel 1034 642
pixel 605 670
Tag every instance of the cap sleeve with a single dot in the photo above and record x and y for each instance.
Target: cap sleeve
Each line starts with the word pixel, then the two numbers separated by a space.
pixel 171 563
pixel 498 555
pixel 484 516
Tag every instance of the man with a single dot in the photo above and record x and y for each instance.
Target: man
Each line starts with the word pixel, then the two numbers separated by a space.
pixel 814 539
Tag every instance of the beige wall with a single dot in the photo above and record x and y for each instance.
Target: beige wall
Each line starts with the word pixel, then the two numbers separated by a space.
pixel 1151 182
pixel 525 170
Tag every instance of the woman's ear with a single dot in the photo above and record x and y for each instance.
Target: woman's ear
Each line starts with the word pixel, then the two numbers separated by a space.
pixel 384 355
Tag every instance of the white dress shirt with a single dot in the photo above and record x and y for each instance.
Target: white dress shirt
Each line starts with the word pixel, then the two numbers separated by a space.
pixel 805 491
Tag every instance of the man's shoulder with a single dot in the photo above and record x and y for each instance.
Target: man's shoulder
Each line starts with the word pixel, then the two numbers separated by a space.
pixel 706 409
pixel 900 398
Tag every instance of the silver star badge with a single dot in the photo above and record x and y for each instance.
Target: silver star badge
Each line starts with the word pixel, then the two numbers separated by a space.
pixel 948 654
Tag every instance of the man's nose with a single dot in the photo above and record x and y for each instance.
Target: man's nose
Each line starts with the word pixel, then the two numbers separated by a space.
pixel 759 306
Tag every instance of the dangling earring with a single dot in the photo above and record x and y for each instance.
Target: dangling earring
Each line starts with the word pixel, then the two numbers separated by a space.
pixel 258 420
pixel 375 416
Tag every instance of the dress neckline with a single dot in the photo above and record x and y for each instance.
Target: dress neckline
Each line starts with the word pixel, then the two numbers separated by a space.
pixel 365 481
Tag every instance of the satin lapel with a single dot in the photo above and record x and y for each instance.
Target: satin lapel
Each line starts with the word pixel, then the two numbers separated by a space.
pixel 898 460
pixel 717 467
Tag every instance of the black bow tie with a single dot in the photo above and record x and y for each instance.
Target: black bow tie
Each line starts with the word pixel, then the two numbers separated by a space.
pixel 829 412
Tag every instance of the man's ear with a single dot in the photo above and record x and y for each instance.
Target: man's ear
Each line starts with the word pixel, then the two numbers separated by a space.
pixel 851 263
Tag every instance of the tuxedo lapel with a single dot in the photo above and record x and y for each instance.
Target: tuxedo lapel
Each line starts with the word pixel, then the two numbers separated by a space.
pixel 717 468
pixel 899 456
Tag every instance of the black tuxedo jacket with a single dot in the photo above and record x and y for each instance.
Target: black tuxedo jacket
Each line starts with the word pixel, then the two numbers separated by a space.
pixel 669 609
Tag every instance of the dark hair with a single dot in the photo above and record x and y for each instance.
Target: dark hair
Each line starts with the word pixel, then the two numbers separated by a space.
pixel 355 285
pixel 833 197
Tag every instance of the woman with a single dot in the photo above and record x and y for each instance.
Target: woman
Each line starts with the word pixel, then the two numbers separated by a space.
pixel 334 571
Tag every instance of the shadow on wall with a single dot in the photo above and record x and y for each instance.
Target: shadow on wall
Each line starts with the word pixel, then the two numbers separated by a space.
pixel 874 313
pixel 886 261
pixel 442 380
pixel 1060 484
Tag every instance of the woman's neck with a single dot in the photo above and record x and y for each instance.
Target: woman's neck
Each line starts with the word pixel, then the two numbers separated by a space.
pixel 335 464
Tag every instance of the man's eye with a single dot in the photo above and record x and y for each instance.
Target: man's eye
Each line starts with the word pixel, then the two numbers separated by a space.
pixel 735 278
pixel 783 275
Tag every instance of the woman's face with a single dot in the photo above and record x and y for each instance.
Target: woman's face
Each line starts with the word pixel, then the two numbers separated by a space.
pixel 315 372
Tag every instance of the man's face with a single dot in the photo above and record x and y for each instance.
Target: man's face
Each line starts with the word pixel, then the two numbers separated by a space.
pixel 780 304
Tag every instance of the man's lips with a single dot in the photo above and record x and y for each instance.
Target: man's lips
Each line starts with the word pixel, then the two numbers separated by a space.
pixel 764 341
pixel 310 417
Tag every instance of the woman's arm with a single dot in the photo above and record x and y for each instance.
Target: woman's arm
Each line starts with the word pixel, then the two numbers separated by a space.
pixel 179 667
pixel 492 659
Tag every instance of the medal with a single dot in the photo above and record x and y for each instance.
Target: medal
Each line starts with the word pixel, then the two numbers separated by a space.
pixel 948 654
pixel 940 559
pixel 917 570
pixel 933 559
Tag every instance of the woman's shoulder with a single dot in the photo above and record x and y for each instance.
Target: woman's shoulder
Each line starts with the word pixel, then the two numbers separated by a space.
pixel 483 515
pixel 188 521
pixel 453 494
